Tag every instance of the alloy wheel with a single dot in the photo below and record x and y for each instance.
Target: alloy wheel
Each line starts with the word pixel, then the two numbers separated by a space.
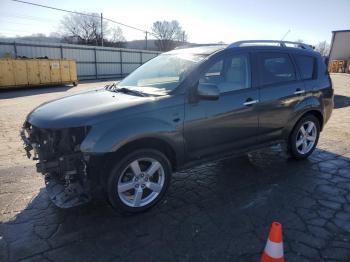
pixel 141 182
pixel 306 137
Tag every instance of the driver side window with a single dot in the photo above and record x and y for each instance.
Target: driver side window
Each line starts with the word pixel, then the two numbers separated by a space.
pixel 229 73
pixel 214 74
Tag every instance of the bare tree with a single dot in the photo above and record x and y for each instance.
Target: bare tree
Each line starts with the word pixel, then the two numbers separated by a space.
pixel 83 29
pixel 116 38
pixel 168 34
pixel 323 48
pixel 117 35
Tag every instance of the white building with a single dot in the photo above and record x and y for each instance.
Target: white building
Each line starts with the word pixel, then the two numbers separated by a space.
pixel 340 45
pixel 340 48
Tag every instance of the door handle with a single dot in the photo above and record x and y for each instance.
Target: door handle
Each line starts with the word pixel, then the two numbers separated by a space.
pixel 250 102
pixel 299 92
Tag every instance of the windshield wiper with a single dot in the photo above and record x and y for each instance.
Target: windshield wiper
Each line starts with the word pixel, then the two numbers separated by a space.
pixel 113 88
pixel 129 91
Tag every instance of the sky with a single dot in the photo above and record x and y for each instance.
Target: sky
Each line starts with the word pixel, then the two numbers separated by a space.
pixel 204 21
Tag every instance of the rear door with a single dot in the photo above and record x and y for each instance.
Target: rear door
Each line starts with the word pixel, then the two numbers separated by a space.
pixel 280 91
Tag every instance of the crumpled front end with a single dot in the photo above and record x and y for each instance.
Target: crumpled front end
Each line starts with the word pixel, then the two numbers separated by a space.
pixel 60 161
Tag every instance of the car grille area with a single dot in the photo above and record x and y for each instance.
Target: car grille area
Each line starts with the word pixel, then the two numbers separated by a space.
pixel 60 161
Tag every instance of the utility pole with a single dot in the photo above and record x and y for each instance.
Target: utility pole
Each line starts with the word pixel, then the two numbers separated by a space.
pixel 146 39
pixel 101 29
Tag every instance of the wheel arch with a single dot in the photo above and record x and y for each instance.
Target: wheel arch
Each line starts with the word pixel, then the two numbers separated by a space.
pixel 318 115
pixel 313 112
pixel 155 143
pixel 150 143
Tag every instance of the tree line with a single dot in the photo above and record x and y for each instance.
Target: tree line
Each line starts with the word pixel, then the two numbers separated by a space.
pixel 87 29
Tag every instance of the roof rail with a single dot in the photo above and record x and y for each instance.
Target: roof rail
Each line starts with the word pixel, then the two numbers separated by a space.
pixel 281 43
pixel 197 45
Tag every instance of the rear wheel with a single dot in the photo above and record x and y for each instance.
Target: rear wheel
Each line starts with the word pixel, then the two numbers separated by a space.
pixel 304 137
pixel 139 180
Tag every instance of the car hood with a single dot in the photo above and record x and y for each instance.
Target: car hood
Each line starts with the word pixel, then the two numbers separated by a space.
pixel 87 108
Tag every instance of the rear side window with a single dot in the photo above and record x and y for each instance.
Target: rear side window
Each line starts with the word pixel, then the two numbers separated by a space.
pixel 275 68
pixel 306 65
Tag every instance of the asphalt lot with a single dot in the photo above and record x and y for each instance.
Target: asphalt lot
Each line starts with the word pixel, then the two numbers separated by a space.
pixel 220 211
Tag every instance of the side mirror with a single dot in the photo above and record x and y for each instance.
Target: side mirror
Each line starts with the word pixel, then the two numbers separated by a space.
pixel 208 91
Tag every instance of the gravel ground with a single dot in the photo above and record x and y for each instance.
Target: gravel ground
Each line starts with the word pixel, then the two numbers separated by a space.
pixel 219 211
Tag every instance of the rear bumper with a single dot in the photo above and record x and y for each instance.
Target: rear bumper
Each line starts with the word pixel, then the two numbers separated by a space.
pixel 328 108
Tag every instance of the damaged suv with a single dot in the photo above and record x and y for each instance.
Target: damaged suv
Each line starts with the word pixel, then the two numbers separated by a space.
pixel 181 108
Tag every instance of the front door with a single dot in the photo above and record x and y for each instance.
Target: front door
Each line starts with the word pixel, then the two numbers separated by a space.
pixel 231 122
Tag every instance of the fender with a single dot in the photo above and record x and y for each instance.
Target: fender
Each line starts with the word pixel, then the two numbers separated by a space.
pixel 310 103
pixel 110 136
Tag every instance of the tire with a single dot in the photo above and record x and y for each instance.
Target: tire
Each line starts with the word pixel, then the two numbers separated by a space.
pixel 133 191
pixel 297 147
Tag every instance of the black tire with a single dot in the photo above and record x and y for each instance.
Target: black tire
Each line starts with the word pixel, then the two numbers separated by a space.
pixel 75 83
pixel 118 170
pixel 292 143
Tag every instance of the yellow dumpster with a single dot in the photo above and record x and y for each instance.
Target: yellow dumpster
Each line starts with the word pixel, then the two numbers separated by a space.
pixel 7 77
pixel 44 71
pixel 33 73
pixel 36 72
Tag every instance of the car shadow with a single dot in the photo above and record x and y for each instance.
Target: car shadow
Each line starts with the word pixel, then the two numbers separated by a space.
pixel 218 211
pixel 341 101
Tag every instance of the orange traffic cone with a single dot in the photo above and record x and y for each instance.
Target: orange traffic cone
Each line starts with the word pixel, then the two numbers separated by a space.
pixel 274 247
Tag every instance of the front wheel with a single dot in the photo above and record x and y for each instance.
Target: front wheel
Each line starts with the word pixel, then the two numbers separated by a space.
pixel 304 137
pixel 139 180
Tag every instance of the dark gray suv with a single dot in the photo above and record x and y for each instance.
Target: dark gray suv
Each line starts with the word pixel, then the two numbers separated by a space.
pixel 181 108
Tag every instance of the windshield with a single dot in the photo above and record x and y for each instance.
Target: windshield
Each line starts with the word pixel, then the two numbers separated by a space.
pixel 162 74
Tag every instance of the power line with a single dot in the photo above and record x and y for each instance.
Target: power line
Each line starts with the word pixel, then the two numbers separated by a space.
pixel 91 15
pixel 54 8
pixel 110 20
pixel 80 13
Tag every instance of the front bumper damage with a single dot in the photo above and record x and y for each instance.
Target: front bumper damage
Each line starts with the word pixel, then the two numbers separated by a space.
pixel 61 162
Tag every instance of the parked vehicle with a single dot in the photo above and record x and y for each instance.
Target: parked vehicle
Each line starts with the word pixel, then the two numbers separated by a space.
pixel 181 108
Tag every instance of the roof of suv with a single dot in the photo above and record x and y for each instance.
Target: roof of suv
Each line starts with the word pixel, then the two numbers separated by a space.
pixel 199 49
pixel 266 44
